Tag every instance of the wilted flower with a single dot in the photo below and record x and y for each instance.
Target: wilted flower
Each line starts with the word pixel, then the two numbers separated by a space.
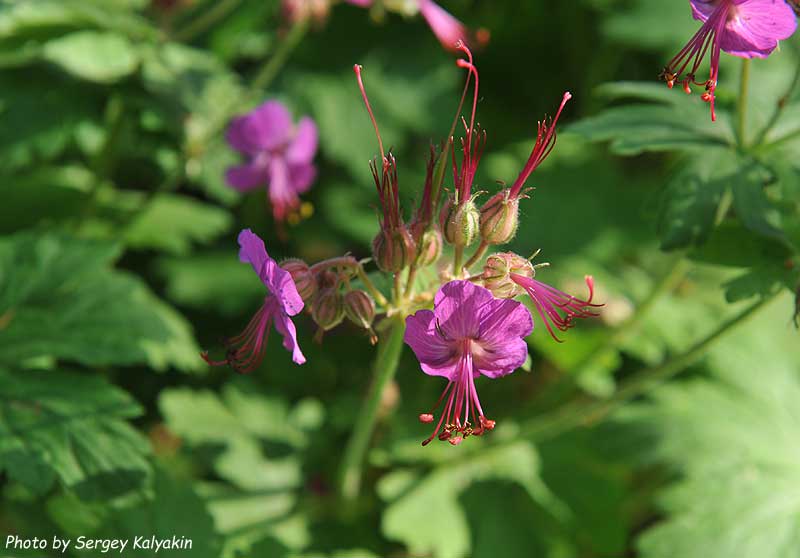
pixel 459 218
pixel 508 275
pixel 246 350
pixel 468 333
pixel 744 28
pixel 500 214
pixel 279 155
pixel 393 248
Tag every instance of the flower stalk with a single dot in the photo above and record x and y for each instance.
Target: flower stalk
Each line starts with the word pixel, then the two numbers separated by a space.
pixel 383 370
pixel 581 412
pixel 741 110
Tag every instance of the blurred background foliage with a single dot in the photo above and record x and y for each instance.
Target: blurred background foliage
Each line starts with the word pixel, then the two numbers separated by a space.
pixel 118 262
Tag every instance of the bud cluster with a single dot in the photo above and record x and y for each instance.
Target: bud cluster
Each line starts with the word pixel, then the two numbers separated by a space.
pixel 328 295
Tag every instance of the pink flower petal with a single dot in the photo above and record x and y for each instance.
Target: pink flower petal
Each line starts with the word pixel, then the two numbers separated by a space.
pixel 436 356
pixel 285 326
pixel 304 145
pixel 246 177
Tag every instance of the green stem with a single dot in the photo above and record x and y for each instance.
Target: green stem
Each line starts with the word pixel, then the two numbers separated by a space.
pixel 206 20
pixel 383 370
pixel 584 413
pixel 744 89
pixel 458 256
pixel 268 72
pixel 782 102
pixel 370 286
pixel 666 284
pixel 412 275
pixel 478 254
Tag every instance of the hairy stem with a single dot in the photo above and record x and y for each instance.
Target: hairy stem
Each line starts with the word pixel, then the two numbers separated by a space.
pixel 267 73
pixel 583 412
pixel 477 255
pixel 782 102
pixel 370 286
pixel 458 256
pixel 412 275
pixel 383 370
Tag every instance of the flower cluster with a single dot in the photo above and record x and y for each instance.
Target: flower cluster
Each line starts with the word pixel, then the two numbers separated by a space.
pixel 475 328
pixel 744 28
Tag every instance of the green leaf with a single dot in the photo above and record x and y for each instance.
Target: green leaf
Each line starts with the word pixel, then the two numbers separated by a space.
pixel 98 56
pixel 172 223
pixel 216 281
pixel 667 24
pixel 424 512
pixel 731 437
pixel 44 194
pixel 692 199
pixel 59 299
pixel 238 423
pixel 28 132
pixel 751 203
pixel 175 510
pixel 661 125
pixel 71 428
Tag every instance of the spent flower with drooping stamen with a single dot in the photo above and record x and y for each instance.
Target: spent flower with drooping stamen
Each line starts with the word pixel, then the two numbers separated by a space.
pixel 744 28
pixel 459 218
pixel 507 275
pixel 279 155
pixel 393 248
pixel 468 333
pixel 424 230
pixel 500 213
pixel 246 350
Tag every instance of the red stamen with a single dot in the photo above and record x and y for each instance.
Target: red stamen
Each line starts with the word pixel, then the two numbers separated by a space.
pixel 545 142
pixel 357 69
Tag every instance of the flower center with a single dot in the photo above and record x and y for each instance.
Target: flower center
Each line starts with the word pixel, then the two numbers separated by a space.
pixel 462 415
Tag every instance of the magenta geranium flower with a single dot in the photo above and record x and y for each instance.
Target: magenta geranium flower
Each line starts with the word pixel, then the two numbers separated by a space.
pixel 279 155
pixel 447 28
pixel 467 334
pixel 745 28
pixel 245 351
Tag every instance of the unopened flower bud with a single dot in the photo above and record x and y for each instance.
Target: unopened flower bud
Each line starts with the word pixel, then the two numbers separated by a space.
pixel 360 309
pixel 499 218
pixel 460 222
pixel 303 278
pixel 393 249
pixel 328 309
pixel 497 274
pixel 429 248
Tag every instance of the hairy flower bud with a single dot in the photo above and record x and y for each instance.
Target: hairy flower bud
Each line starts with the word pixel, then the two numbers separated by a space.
pixel 460 222
pixel 303 278
pixel 328 308
pixel 496 274
pixel 360 309
pixel 393 249
pixel 499 218
pixel 429 248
